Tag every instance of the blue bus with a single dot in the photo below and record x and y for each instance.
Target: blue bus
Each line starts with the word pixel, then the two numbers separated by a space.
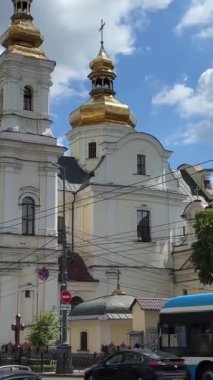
pixel 186 330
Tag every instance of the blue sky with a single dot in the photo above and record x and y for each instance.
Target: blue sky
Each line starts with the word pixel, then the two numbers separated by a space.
pixel 164 62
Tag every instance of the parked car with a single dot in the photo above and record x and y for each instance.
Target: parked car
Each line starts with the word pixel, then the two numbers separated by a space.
pixel 18 374
pixel 14 367
pixel 138 365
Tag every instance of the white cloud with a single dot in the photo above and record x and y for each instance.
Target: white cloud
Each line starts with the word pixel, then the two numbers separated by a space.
pixel 193 104
pixel 173 96
pixel 71 33
pixel 199 14
pixel 62 141
pixel 193 133
pixel 189 102
pixel 156 4
pixel 205 33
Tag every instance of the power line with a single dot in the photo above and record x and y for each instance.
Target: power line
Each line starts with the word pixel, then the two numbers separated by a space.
pixel 109 191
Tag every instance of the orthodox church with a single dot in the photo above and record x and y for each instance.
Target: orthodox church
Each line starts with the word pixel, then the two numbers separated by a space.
pixel 123 203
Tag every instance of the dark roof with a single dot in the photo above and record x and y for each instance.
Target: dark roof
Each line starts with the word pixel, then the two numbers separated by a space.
pixel 77 269
pixel 151 303
pixel 104 305
pixel 73 172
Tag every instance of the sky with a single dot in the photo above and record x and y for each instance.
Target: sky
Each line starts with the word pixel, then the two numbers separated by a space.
pixel 162 50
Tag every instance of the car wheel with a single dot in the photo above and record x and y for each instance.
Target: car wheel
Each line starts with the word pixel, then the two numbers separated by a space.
pixel 207 374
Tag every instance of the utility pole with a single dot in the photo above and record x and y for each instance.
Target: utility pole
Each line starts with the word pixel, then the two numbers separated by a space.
pixel 64 359
pixel 64 259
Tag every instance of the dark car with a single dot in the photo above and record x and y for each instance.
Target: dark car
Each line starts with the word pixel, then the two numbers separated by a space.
pixel 18 374
pixel 138 365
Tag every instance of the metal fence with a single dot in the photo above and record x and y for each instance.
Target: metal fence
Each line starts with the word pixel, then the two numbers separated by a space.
pixel 47 361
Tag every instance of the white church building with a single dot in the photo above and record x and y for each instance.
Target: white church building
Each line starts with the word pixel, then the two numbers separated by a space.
pixel 124 204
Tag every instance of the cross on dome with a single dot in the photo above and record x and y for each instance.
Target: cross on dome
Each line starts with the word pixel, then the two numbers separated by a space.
pixel 102 107
pixel 102 31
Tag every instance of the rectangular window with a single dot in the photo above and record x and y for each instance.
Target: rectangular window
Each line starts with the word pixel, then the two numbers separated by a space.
pixel 60 229
pixel 27 293
pixel 83 341
pixel 1 101
pixel 143 225
pixel 141 164
pixel 92 150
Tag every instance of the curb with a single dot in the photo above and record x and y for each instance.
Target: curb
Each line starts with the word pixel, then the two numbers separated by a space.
pixel 79 374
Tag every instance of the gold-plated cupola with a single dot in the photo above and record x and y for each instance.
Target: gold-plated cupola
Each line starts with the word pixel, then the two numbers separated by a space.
pixel 102 107
pixel 22 37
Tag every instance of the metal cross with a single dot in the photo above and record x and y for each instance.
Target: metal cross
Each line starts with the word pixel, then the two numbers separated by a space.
pixel 118 279
pixel 17 328
pixel 102 30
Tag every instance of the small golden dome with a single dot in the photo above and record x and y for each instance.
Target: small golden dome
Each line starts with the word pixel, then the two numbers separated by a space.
pixel 102 107
pixel 22 37
pixel 119 292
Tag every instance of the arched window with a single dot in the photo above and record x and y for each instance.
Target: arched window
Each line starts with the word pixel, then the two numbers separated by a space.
pixel 25 7
pixel 106 83
pixel 19 6
pixel 28 98
pixel 28 216
pixel 83 341
pixel 99 83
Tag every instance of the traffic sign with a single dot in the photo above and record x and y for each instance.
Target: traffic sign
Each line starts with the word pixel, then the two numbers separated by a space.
pixel 66 296
pixel 66 307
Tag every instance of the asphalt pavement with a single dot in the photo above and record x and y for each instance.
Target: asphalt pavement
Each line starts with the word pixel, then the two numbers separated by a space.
pixel 77 374
pixel 72 376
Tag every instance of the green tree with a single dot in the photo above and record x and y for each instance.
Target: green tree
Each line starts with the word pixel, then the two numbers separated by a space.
pixel 45 331
pixel 202 256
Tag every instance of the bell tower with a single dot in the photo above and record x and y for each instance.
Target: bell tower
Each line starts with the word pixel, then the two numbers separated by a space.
pixel 28 171
pixel 25 76
pixel 103 118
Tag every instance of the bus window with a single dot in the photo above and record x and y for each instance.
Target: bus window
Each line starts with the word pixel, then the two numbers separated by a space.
pixel 178 336
pixel 173 336
pixel 201 341
pixel 164 336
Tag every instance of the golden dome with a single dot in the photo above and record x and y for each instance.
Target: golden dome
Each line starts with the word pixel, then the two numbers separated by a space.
pixel 22 37
pixel 102 107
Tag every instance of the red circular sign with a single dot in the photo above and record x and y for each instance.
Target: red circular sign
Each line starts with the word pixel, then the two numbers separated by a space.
pixel 43 274
pixel 66 296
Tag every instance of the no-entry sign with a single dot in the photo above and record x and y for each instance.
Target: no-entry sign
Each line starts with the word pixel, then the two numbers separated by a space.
pixel 66 296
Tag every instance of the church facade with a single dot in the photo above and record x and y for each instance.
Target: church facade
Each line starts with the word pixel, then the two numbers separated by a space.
pixel 126 214
pixel 124 205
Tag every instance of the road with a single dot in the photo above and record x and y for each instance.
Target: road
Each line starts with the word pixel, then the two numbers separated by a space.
pixel 63 378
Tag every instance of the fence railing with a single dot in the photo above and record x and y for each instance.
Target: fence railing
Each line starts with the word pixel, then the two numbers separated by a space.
pixel 46 362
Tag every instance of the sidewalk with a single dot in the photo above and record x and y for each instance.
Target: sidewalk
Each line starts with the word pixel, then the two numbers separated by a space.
pixel 75 373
